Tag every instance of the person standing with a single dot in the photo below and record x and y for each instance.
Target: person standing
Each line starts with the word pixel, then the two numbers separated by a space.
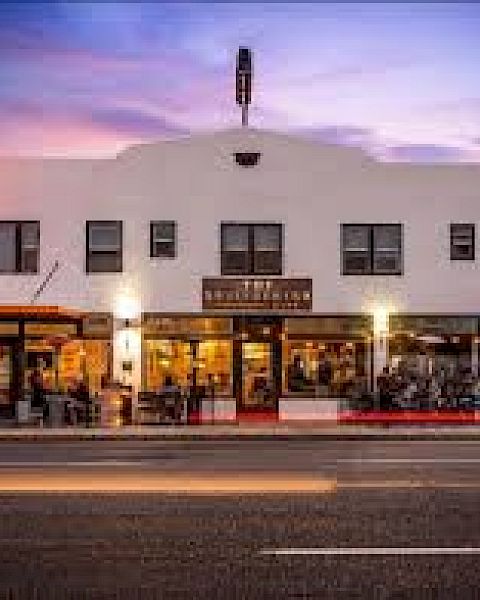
pixel 324 374
pixel 383 388
pixel 39 400
pixel 82 401
pixel 171 394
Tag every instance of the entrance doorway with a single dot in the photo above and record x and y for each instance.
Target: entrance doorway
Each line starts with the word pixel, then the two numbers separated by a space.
pixel 6 376
pixel 257 366
pixel 257 376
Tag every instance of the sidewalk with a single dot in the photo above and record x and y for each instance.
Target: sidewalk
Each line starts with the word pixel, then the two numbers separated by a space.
pixel 242 431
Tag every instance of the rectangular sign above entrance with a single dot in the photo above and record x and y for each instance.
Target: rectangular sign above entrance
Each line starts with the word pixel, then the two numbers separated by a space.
pixel 241 293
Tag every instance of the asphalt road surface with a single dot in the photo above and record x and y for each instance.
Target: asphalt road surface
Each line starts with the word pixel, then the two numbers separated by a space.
pixel 240 519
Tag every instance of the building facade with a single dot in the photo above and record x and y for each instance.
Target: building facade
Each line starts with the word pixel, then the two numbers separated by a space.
pixel 278 271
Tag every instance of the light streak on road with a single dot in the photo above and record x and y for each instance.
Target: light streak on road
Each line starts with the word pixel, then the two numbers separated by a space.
pixel 406 551
pixel 101 481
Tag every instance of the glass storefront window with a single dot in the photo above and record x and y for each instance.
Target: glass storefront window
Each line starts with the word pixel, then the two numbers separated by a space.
pixel 176 358
pixel 95 358
pixel 167 357
pixel 63 365
pixel 323 368
pixel 431 354
pixel 215 359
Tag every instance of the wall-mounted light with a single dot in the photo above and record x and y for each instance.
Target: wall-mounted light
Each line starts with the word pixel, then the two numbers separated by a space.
pixel 126 306
pixel 380 324
pixel 380 321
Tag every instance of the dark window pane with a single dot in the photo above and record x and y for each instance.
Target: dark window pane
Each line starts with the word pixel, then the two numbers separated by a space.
pixel 235 263
pixel 268 263
pixel 267 245
pixel 8 262
pixel 267 238
pixel 462 236
pixel 251 249
pixel 30 243
pixel 163 249
pixel 235 257
pixel 163 239
pixel 105 237
pixel 104 246
pixel 356 263
pixel 235 238
pixel 356 249
pixel 387 249
pixel 103 262
pixel 29 261
pixel 356 238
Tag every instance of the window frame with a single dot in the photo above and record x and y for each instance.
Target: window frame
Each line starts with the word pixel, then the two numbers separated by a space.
pixel 371 250
pixel 19 247
pixel 251 268
pixel 471 226
pixel 89 253
pixel 174 239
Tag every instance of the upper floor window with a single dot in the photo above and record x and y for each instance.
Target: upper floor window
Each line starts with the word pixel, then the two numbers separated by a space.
pixel 251 248
pixel 104 246
pixel 372 249
pixel 162 239
pixel 19 246
pixel 462 241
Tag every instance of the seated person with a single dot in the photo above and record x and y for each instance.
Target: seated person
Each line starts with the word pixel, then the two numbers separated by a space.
pixel 324 373
pixel 296 375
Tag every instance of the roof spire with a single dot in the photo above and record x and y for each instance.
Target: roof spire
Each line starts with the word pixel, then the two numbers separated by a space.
pixel 244 81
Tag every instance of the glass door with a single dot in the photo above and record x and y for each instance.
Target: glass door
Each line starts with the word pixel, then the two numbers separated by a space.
pixel 6 355
pixel 257 376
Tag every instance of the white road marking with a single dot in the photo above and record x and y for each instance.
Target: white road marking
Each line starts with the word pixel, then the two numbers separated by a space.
pixel 369 551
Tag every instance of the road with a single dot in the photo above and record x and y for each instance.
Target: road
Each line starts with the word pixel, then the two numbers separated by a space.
pixel 240 519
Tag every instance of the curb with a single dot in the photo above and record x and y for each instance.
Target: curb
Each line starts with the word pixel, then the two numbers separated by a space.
pixel 376 435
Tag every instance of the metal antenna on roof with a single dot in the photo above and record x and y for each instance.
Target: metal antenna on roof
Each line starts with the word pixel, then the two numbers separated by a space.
pixel 244 82
pixel 45 282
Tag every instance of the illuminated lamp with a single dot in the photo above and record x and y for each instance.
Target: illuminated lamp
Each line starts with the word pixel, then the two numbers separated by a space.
pixel 127 307
pixel 380 320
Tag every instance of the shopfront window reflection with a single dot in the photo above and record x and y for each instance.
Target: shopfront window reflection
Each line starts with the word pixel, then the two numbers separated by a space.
pixel 62 363
pixel 428 354
pixel 167 358
pixel 322 368
pixel 215 360
pixel 210 360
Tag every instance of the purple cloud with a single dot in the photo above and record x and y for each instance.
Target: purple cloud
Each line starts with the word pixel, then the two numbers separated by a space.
pixel 135 122
pixel 344 135
pixel 425 153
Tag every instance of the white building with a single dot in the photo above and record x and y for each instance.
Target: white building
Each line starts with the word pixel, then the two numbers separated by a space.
pixel 387 252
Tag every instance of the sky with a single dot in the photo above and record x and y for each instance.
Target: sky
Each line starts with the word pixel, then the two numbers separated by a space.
pixel 400 80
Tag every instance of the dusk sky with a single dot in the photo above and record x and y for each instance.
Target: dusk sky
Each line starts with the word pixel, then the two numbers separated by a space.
pixel 400 80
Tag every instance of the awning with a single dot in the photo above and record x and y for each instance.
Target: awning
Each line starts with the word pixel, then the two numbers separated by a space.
pixel 12 311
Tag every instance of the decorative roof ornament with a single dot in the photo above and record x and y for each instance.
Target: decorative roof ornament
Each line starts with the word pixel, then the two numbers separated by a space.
pixel 244 98
pixel 244 81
